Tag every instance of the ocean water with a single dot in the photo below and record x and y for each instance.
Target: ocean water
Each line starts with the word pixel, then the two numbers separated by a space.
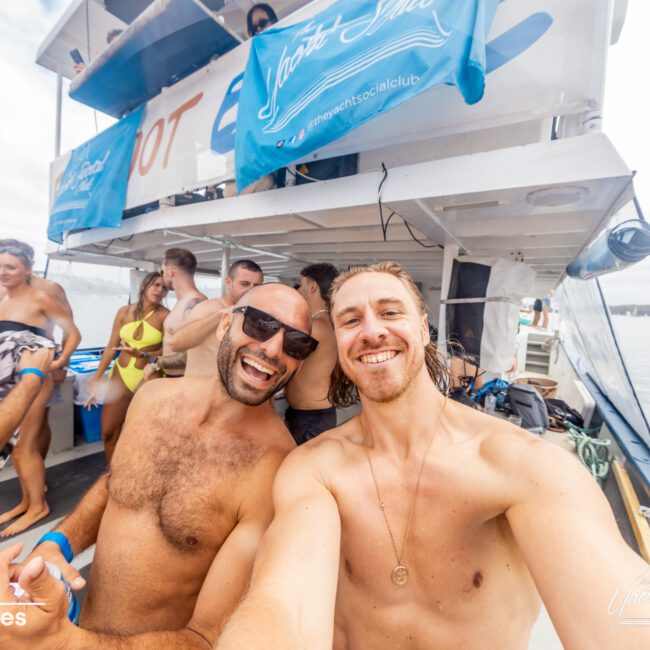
pixel 94 317
pixel 633 336
pixel 95 306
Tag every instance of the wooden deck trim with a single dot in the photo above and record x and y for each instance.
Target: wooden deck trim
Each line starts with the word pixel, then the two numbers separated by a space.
pixel 638 522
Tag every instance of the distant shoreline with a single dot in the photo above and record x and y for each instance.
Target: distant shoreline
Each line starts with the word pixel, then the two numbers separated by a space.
pixel 630 310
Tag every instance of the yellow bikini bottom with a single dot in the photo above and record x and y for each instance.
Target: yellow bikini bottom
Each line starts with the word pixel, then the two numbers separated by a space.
pixel 131 376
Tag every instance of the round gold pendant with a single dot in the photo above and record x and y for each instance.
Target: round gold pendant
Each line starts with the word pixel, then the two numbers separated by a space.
pixel 400 575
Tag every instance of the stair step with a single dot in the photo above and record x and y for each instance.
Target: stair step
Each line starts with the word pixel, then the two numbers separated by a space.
pixel 539 364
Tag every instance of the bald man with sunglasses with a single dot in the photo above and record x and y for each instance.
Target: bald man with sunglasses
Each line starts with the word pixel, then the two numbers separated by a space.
pixel 178 518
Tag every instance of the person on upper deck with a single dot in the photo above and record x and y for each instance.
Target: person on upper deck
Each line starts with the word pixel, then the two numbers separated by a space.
pixel 26 314
pixel 310 412
pixel 137 332
pixel 259 18
pixel 110 37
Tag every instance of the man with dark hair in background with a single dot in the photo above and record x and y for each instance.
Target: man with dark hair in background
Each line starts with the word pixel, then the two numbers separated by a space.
pixel 196 336
pixel 310 412
pixel 178 269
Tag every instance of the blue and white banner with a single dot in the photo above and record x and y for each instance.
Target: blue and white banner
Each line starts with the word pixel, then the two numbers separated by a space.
pixel 311 83
pixel 92 191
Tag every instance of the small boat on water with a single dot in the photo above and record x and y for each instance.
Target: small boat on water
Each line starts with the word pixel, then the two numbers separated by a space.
pixel 518 196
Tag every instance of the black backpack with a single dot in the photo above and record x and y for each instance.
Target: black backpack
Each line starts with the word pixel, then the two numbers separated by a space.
pixel 528 404
pixel 560 410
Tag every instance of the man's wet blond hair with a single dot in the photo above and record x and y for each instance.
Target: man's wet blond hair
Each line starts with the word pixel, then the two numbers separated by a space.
pixel 342 392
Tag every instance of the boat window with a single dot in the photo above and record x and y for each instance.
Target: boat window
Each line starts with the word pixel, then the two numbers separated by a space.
pixel 95 294
pixel 627 295
pixel 606 327
pixel 210 285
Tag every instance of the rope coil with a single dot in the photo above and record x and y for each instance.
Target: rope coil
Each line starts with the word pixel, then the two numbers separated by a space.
pixel 592 452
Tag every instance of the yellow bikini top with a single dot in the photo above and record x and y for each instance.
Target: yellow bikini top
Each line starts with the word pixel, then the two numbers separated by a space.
pixel 150 335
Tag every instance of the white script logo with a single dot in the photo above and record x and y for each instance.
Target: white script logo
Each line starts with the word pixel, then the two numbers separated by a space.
pixel 313 36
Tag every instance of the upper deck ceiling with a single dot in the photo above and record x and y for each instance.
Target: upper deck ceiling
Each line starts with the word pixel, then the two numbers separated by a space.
pixel 85 23
pixel 541 202
pixel 83 27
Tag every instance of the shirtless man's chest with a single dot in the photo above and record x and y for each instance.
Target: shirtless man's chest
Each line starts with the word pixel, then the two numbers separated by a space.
pixel 466 574
pixel 174 492
pixel 174 320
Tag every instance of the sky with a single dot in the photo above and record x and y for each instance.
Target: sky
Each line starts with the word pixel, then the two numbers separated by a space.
pixel 27 120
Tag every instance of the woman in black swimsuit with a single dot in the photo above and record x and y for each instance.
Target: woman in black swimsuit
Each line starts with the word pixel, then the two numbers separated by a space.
pixel 25 314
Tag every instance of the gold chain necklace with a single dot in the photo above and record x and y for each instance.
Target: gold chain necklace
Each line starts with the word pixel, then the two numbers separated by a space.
pixel 400 574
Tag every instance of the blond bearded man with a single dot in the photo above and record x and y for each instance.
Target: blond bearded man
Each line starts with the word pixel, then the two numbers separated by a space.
pixel 423 524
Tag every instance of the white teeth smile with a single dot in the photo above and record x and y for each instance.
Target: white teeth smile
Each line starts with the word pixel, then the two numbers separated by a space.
pixel 258 366
pixel 378 358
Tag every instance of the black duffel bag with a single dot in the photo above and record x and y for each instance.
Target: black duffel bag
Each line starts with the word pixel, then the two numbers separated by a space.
pixel 559 410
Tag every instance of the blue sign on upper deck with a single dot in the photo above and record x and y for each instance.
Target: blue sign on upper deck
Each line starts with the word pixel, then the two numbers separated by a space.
pixel 92 191
pixel 309 84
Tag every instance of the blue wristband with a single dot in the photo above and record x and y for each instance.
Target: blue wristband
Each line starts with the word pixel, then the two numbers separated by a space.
pixel 61 541
pixel 32 371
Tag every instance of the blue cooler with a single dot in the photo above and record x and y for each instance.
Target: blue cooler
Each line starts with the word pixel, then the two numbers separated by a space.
pixel 87 423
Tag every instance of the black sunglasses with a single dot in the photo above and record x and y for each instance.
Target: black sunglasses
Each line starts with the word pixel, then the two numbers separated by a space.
pixel 264 22
pixel 262 326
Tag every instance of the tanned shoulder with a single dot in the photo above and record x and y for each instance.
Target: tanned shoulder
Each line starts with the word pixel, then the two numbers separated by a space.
pixel 45 301
pixel 326 452
pixel 150 393
pixel 207 307
pixel 55 290
pixel 191 303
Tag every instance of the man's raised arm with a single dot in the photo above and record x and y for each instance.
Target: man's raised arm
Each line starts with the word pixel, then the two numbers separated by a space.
pixel 290 604
pixel 595 588
pixel 80 528
pixel 14 407
pixel 223 587
pixel 200 323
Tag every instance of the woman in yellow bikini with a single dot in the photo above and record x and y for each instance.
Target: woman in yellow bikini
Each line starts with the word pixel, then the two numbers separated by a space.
pixel 137 334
